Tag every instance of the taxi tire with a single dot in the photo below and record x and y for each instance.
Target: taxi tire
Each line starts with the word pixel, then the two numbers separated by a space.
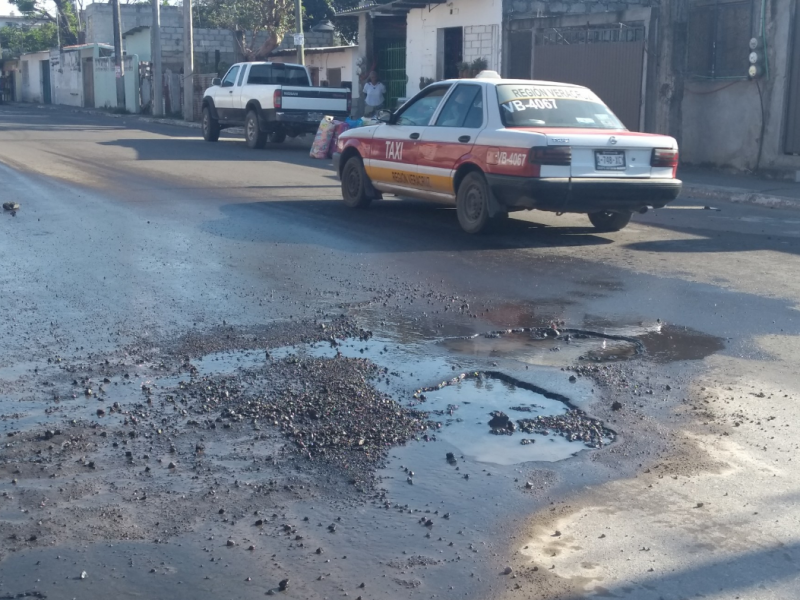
pixel 255 138
pixel 210 126
pixel 355 184
pixel 610 220
pixel 472 203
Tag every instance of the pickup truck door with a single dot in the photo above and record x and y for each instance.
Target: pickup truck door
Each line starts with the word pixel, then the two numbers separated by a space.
pixel 238 99
pixel 223 99
pixel 393 158
pixel 451 137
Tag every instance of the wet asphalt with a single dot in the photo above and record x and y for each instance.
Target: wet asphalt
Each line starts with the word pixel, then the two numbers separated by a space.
pixel 133 235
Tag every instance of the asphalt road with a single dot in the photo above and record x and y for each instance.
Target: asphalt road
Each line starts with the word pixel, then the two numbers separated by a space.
pixel 131 231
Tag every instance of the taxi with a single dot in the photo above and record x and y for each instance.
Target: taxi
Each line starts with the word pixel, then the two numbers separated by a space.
pixel 492 146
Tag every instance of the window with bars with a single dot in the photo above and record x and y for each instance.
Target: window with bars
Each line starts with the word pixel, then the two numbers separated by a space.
pixel 590 34
pixel 718 36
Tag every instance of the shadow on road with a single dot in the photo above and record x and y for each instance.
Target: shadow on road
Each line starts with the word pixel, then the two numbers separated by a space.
pixel 391 225
pixel 713 241
pixel 750 571
pixel 227 149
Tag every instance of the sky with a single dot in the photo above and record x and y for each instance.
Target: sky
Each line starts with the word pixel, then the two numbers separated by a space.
pixel 5 8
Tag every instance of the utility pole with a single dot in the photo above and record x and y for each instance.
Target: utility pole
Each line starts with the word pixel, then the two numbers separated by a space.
pixel 118 65
pixel 298 15
pixel 155 51
pixel 188 62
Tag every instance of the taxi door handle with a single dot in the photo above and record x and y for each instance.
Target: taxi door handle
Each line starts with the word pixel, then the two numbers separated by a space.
pixel 414 136
pixel 464 139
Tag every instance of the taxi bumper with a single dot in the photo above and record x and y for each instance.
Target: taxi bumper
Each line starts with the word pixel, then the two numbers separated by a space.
pixel 583 195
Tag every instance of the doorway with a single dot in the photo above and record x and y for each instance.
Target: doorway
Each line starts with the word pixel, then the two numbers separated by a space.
pixel 46 95
pixel 453 51
pixel 88 83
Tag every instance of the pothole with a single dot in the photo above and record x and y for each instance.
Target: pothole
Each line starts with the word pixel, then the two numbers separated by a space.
pixel 491 417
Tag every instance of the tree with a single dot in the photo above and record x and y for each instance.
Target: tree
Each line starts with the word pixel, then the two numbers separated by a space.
pixel 29 38
pixel 64 17
pixel 251 20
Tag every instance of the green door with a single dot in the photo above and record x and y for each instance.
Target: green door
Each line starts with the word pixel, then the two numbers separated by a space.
pixel 46 97
pixel 392 69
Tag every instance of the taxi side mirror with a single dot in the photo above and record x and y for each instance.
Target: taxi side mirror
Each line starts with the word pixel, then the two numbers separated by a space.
pixel 384 116
pixel 216 81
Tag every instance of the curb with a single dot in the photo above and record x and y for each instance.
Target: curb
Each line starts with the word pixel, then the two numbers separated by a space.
pixel 739 196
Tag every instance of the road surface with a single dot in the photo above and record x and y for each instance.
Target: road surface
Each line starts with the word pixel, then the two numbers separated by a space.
pixel 142 257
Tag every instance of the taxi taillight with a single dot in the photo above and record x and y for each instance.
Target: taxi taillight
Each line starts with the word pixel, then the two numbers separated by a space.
pixel 551 155
pixel 664 157
pixel 277 99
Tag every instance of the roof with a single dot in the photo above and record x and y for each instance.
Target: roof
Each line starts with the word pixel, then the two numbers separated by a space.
pixel 87 46
pixel 389 6
pixel 314 50
pixel 136 30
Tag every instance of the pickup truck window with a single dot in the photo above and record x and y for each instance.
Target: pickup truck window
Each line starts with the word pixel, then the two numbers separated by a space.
pixel 241 77
pixel 230 77
pixel 277 75
pixel 553 106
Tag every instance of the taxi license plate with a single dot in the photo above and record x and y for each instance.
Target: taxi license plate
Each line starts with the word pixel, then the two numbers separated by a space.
pixel 609 160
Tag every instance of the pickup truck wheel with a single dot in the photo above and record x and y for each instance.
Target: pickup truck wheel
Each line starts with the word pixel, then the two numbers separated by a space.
pixel 253 135
pixel 210 126
pixel 355 184
pixel 277 137
pixel 610 220
pixel 472 203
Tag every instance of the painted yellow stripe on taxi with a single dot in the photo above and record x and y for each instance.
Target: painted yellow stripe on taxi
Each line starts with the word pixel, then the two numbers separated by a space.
pixel 396 176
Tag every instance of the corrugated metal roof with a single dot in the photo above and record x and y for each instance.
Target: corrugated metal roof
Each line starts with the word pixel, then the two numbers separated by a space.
pixel 389 6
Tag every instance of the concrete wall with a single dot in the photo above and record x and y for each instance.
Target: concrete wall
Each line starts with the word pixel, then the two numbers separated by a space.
pixel 31 76
pixel 138 43
pixel 99 22
pixel 67 78
pixel 722 119
pixel 481 20
pixel 105 83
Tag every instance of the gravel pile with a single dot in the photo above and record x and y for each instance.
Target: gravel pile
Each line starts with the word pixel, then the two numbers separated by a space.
pixel 574 425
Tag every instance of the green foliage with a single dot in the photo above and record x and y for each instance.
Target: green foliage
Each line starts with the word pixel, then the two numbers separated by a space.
pixel 29 38
pixel 60 13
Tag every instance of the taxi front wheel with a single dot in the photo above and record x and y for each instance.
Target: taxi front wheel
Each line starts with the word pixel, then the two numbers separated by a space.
pixel 355 184
pixel 472 203
pixel 609 220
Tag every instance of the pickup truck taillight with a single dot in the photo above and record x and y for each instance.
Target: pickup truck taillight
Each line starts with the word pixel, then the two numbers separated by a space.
pixel 551 155
pixel 277 99
pixel 349 102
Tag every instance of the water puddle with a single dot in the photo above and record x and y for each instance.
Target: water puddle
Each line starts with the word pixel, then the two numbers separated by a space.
pixel 491 418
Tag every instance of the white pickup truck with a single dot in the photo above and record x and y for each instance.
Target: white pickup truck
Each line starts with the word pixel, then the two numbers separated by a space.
pixel 271 101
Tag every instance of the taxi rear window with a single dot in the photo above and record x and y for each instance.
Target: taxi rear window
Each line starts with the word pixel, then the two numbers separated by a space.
pixel 553 106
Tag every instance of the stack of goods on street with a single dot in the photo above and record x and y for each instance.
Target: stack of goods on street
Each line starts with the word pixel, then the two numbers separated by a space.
pixel 329 131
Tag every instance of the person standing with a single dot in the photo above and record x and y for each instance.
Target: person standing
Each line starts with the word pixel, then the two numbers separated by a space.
pixel 374 95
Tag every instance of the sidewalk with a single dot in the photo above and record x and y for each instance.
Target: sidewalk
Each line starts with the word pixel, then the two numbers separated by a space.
pixel 747 189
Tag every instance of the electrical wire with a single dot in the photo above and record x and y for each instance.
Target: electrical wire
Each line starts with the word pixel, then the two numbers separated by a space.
pixel 763 126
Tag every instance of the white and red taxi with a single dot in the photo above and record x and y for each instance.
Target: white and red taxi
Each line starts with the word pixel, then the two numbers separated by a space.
pixel 493 146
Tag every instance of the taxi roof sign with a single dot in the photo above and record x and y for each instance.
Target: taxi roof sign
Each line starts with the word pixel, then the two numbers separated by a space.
pixel 488 75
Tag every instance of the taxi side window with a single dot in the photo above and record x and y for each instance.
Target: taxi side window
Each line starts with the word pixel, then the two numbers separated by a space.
pixel 230 78
pixel 419 113
pixel 464 108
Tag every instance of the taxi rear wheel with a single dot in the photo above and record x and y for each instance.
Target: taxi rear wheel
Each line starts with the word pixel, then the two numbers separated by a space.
pixel 472 203
pixel 610 220
pixel 355 184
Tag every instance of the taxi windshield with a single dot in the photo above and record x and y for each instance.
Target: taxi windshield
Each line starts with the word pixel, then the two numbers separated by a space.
pixel 534 105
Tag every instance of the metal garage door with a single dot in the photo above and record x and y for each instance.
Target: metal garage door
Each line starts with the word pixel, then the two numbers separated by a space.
pixel 610 61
